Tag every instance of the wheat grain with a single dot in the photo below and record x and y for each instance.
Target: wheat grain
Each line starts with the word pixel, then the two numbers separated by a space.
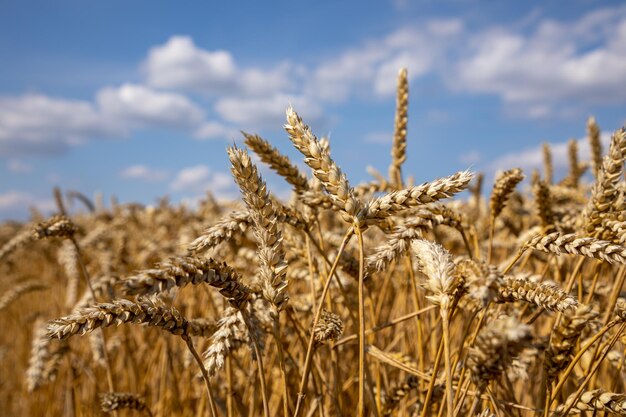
pixel 182 271
pixel 558 243
pixel 502 189
pixel 596 400
pixel 593 134
pixel 398 201
pixel 324 168
pixel 398 148
pixel 547 296
pixel 278 162
pixel 270 249
pixel 149 312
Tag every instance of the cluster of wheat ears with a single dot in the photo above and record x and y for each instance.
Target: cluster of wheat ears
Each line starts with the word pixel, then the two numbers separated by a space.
pixel 378 299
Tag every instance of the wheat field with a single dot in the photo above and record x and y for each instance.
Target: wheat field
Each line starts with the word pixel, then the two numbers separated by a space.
pixel 376 299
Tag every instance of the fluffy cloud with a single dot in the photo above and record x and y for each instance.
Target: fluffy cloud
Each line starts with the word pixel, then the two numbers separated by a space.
pixel 376 63
pixel 580 61
pixel 140 105
pixel 180 64
pixel 532 158
pixel 216 130
pixel 200 179
pixel 144 173
pixel 35 123
pixel 14 204
pixel 257 113
pixel 538 69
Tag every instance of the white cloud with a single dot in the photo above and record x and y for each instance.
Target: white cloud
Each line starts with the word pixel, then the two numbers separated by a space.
pixel 15 203
pixel 216 130
pixel 199 179
pixel 532 158
pixel 256 113
pixel 376 63
pixel 581 61
pixel 34 123
pixel 142 172
pixel 18 167
pixel 180 64
pixel 141 105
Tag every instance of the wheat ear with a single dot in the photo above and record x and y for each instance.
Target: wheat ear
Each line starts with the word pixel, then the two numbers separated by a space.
pixel 19 289
pixel 596 400
pixel 548 169
pixel 398 148
pixel 277 161
pixel 593 134
pixel 182 271
pixel 17 241
pixel 605 190
pixel 324 168
pixel 558 243
pixel 112 401
pixel 546 296
pixel 269 238
pixel 398 201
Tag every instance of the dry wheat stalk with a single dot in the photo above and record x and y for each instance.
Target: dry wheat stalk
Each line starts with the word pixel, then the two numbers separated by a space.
pixel 19 289
pixel 324 168
pixel 272 265
pixel 278 162
pixel 68 258
pixel 398 201
pixel 436 263
pixel 558 243
pixel 186 270
pixel 547 296
pixel 44 358
pixel 398 149
pixel 17 241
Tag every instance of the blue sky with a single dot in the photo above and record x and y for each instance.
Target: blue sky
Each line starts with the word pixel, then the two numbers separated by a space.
pixel 139 99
